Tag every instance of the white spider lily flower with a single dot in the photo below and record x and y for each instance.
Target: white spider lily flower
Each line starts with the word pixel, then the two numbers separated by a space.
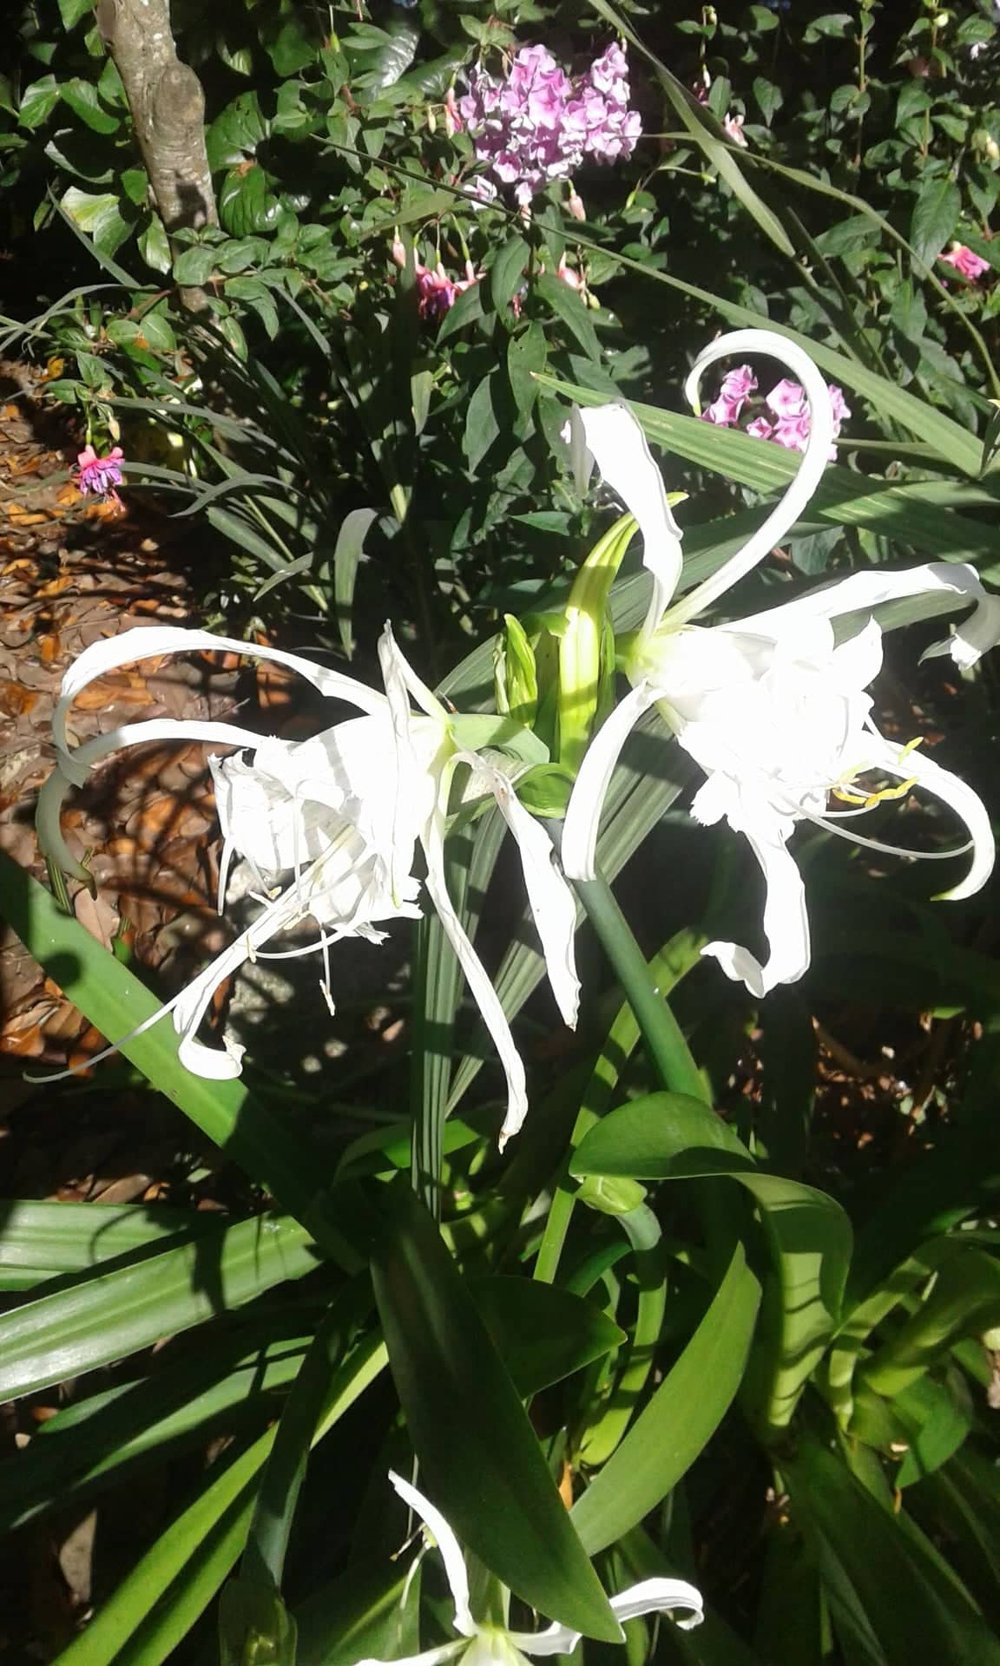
pixel 486 1644
pixel 345 810
pixel 774 708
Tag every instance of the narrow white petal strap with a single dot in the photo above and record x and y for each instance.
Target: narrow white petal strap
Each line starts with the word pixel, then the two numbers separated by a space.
pixel 390 653
pixel 786 923
pixel 651 1596
pixel 428 1657
pixel 870 590
pixel 476 976
pixel 553 906
pixel 808 475
pixel 583 813
pixel 660 1595
pixel 145 642
pixel 448 1545
pixel 75 765
pixel 954 792
pixel 617 444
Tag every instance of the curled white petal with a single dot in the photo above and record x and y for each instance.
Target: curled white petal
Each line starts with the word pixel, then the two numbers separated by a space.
pixel 427 1657
pixel 786 923
pixel 618 445
pixel 954 792
pixel 146 642
pixel 583 813
pixel 650 1596
pixel 936 582
pixel 807 477
pixel 448 1545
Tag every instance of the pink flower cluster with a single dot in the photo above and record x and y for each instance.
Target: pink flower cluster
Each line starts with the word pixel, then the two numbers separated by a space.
pixel 98 476
pixel 540 123
pixel 788 423
pixel 965 262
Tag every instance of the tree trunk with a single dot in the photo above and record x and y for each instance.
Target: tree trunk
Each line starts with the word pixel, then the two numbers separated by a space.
pixel 168 111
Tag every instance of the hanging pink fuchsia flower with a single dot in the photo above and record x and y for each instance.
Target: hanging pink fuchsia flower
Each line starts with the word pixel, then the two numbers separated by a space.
pixel 436 291
pixel 737 386
pixel 98 476
pixel 965 262
pixel 539 123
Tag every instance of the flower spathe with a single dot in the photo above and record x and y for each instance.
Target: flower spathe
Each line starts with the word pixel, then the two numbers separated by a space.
pixel 773 708
pixel 345 810
pixel 479 1644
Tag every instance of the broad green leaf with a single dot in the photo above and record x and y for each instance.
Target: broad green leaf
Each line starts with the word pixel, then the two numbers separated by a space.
pixel 169 1588
pixel 913 1609
pixel 938 1419
pixel 64 1334
pixel 370 1613
pixel 964 1301
pixel 82 98
pixel 935 216
pixel 38 101
pixel 232 1383
pixel 507 270
pixel 667 1136
pixel 41 1240
pixel 98 216
pixel 679 1420
pixel 526 355
pixel 347 557
pixel 480 1461
pixel 542 1332
pixel 114 1001
pixel 568 306
pixel 194 265
pixel 482 425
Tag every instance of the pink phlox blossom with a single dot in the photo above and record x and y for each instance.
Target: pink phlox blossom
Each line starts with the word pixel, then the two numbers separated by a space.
pixel 538 124
pixel 789 405
pixel 98 476
pixel 760 428
pixel 737 386
pixel 965 262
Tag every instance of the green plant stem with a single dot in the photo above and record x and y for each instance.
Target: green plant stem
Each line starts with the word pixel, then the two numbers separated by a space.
pixel 661 1032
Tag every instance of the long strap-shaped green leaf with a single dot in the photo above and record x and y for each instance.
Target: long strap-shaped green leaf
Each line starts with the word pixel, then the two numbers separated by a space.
pixel 114 1001
pixel 156 1605
pixel 679 1420
pixel 869 1562
pixel 68 1333
pixel 480 1460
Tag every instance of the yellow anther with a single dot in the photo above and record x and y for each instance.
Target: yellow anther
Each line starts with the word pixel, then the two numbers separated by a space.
pixel 868 801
